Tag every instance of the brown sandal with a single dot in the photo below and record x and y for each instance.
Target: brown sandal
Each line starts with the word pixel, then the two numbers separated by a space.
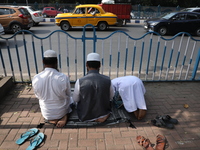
pixel 142 141
pixel 160 142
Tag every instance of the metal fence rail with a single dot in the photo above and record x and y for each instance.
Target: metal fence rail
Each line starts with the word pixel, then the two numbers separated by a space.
pixel 150 57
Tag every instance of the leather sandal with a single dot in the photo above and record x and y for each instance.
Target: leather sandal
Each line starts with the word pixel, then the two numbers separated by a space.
pixel 160 142
pixel 167 119
pixel 161 123
pixel 142 141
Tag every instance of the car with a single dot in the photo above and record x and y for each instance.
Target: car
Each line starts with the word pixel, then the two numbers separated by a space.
pixel 35 14
pixel 1 30
pixel 192 9
pixel 15 18
pixel 175 22
pixel 86 14
pixel 50 12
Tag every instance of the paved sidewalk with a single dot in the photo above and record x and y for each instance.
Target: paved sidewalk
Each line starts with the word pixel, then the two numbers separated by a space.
pixel 19 112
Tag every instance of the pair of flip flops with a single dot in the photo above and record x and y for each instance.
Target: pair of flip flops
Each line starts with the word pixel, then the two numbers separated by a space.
pixel 164 121
pixel 35 141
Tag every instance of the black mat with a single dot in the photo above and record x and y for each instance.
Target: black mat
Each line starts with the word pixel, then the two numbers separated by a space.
pixel 118 115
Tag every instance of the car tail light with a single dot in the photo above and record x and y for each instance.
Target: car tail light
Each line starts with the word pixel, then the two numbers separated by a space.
pixel 36 14
pixel 23 16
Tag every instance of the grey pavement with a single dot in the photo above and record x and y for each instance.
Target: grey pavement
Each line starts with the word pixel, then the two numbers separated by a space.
pixel 19 111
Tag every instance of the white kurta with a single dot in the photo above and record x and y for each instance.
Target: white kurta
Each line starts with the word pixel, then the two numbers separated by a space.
pixel 131 90
pixel 53 90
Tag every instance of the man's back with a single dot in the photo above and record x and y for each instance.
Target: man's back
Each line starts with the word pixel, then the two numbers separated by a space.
pixel 94 96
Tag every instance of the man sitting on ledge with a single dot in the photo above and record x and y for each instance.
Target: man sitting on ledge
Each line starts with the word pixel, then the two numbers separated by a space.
pixel 53 90
pixel 93 92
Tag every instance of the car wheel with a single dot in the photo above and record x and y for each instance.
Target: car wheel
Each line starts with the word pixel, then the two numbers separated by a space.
pixel 15 28
pixel 198 32
pixel 44 15
pixel 162 30
pixel 65 26
pixel 102 26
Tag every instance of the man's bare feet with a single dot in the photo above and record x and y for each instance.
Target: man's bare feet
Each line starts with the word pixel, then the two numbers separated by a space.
pixel 141 114
pixel 53 121
pixel 102 119
pixel 61 123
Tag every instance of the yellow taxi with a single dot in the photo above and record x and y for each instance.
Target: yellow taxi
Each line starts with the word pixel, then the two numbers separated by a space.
pixel 86 14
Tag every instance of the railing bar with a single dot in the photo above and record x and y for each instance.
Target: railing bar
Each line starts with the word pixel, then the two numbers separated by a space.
pixel 141 58
pixel 156 59
pixel 184 58
pixel 59 52
pixel 177 59
pixel 170 59
pixel 18 58
pixel 50 42
pixel 118 54
pixel 149 57
pixel 10 59
pixel 26 54
pixel 2 61
pixel 134 53
pixel 67 56
pixel 75 58
pixel 163 59
pixel 126 57
pixel 102 60
pixel 110 59
pixel 34 54
pixel 190 62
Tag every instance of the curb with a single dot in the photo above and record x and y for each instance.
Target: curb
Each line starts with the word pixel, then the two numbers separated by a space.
pixel 132 20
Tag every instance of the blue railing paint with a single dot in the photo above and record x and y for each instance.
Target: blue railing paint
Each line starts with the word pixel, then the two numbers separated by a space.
pixel 132 46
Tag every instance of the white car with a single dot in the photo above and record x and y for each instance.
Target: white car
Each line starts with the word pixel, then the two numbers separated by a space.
pixel 1 30
pixel 35 14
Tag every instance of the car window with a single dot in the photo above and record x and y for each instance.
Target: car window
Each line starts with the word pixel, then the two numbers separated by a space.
pixel 80 11
pixel 32 9
pixel 52 9
pixel 179 17
pixel 48 8
pixel 92 10
pixel 191 17
pixel 4 11
pixel 24 11
pixel 198 10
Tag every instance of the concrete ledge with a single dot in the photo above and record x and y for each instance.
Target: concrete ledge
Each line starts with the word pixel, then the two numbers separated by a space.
pixel 6 85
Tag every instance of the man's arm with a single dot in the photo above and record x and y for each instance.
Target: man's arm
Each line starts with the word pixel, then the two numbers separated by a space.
pixel 111 91
pixel 76 92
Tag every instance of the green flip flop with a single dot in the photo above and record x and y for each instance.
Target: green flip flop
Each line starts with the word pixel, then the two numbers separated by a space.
pixel 26 135
pixel 36 141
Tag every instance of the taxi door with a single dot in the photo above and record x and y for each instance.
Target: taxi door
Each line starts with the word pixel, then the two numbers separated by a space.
pixel 79 17
pixel 92 16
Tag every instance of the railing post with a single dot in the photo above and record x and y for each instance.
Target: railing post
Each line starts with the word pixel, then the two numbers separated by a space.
pixel 84 38
pixel 196 66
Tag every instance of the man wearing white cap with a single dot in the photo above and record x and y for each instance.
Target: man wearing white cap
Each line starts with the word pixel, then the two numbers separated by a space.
pixel 53 90
pixel 93 92
pixel 131 90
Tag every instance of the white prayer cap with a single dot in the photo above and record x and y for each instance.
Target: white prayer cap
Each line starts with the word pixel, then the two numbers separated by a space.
pixel 50 53
pixel 93 57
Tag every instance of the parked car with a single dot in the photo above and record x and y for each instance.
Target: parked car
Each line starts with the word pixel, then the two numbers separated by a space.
pixel 86 14
pixel 175 22
pixel 15 18
pixel 1 30
pixel 35 14
pixel 50 12
pixel 192 9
